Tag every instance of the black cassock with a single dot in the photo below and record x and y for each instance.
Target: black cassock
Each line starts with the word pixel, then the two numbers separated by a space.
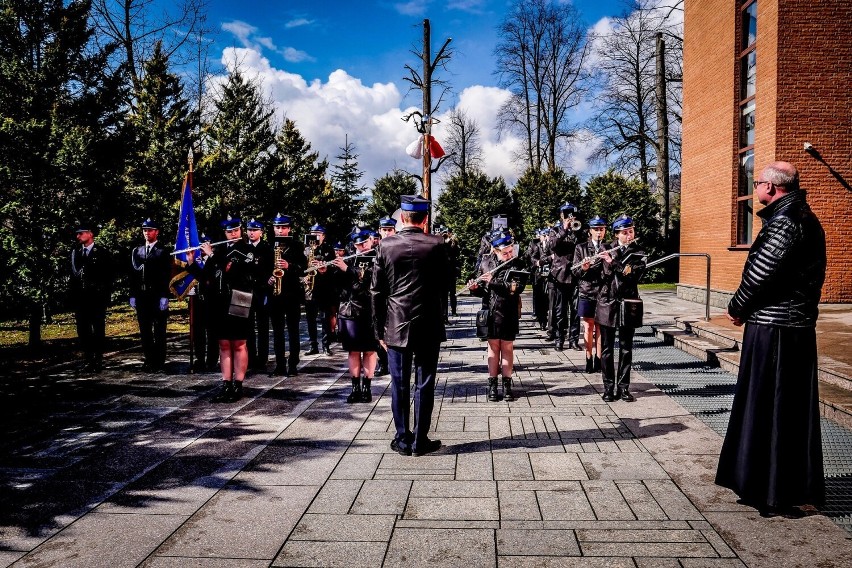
pixel 772 454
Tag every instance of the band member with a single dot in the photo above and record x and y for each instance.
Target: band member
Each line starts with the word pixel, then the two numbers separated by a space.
pixel 539 262
pixel 502 286
pixel 204 342
pixel 451 303
pixel 339 252
pixel 356 316
pixel 258 339
pixel 232 269
pixel 151 270
pixel 319 291
pixel 92 274
pixel 285 301
pixel 564 284
pixel 409 279
pixel 623 266
pixel 587 268
pixel 387 227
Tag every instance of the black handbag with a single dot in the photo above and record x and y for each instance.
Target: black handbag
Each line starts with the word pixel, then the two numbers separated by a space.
pixel 482 324
pixel 240 304
pixel 630 312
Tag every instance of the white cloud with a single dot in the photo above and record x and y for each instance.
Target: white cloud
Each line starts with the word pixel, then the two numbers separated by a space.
pixel 298 22
pixel 412 8
pixel 246 34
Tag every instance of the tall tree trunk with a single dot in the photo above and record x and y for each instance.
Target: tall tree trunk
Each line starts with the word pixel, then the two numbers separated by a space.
pixel 34 340
pixel 663 134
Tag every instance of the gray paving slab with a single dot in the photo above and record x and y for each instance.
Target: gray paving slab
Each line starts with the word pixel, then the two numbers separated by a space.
pixel 449 548
pixel 622 466
pixel 382 497
pixel 521 542
pixel 344 528
pixel 331 554
pixel 336 496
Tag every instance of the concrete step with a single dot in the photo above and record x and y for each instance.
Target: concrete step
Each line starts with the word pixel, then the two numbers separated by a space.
pixel 707 331
pixel 835 390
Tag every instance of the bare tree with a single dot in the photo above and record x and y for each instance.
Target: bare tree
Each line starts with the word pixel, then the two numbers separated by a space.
pixel 462 144
pixel 541 59
pixel 137 25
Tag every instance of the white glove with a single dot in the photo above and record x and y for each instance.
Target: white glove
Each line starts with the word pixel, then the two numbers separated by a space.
pixel 133 303
pixel 164 304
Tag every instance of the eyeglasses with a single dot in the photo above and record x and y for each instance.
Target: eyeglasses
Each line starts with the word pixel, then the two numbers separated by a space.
pixel 757 182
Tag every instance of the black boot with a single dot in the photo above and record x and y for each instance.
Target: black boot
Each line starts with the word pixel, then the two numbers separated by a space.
pixel 507 389
pixel 589 365
pixel 597 364
pixel 608 395
pixel 366 393
pixel 492 390
pixel 355 395
pixel 237 393
pixel 624 394
pixel 559 344
pixel 226 390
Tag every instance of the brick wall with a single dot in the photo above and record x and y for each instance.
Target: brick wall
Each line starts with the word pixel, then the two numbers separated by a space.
pixel 804 73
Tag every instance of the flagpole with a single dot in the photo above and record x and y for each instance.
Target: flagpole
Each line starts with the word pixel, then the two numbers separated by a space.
pixel 191 297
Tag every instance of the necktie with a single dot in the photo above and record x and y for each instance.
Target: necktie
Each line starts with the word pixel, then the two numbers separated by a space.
pixel 85 252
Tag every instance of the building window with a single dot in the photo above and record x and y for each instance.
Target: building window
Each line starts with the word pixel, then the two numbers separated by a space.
pixel 747 70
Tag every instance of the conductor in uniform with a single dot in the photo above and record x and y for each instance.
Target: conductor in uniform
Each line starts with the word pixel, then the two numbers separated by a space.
pixel 151 269
pixel 409 281
pixel 91 279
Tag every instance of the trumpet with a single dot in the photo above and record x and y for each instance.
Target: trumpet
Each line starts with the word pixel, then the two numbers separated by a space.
pixel 330 262
pixel 596 257
pixel 181 251
pixel 576 225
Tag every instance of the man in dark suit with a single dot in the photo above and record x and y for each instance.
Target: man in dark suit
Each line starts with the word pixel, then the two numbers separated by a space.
pixel 258 340
pixel 151 269
pixel 409 281
pixel 90 286
pixel 285 306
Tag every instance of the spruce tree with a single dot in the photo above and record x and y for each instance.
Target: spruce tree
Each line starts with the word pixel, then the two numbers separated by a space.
pixel 385 196
pixel 61 142
pixel 233 174
pixel 346 191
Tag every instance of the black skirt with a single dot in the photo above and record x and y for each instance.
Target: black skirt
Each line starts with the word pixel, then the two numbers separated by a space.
pixel 227 327
pixel 356 335
pixel 772 453
pixel 586 308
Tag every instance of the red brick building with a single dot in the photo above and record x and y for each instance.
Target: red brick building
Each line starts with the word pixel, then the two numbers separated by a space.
pixel 761 79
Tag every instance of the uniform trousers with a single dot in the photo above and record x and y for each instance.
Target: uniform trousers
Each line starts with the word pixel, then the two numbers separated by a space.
pixel 91 327
pixel 152 329
pixel 258 339
pixel 564 316
pixel 625 356
pixel 285 314
pixel 204 343
pixel 314 310
pixel 424 358
pixel 541 302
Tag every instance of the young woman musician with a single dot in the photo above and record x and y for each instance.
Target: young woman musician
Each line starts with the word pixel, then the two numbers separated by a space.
pixel 623 266
pixel 230 267
pixel 502 291
pixel 355 315
pixel 587 269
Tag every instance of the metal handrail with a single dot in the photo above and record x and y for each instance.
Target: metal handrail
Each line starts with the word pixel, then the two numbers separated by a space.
pixel 679 254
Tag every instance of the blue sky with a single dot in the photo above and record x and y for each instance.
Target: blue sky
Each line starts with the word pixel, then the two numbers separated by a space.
pixel 337 69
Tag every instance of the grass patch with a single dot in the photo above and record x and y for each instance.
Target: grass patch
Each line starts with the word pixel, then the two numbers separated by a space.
pixel 59 338
pixel 669 286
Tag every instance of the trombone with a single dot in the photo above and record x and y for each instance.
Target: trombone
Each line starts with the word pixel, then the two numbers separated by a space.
pixel 201 245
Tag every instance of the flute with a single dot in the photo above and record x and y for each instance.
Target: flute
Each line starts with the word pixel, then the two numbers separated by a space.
pixel 594 258
pixel 478 278
pixel 330 262
pixel 201 245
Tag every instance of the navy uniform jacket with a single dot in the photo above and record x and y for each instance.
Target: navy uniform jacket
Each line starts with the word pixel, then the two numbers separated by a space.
pixel 409 282
pixel 92 275
pixel 619 280
pixel 150 274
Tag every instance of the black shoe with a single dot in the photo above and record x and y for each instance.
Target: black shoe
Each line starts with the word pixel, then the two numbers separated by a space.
pixel 293 369
pixel 508 396
pixel 427 448
pixel 492 390
pixel 399 449
pixel 278 371
pixel 550 337
pixel 327 350
pixel 366 392
pixel 597 364
pixel 224 393
pixel 559 344
pixel 625 395
pixel 608 396
pixel 590 366
pixel 313 351
pixel 576 345
pixel 355 395
pixel 237 392
pixel 381 371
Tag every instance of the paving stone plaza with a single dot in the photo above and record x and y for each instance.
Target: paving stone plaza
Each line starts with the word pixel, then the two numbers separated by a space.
pixel 131 469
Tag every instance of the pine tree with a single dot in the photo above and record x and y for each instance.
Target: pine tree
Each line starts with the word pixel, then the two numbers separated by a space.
pixel 297 178
pixel 539 195
pixel 384 200
pixel 163 127
pixel 233 175
pixel 61 142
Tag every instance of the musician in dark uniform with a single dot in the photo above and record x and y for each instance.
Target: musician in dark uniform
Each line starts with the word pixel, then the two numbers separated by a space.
pixel 387 228
pixel 566 321
pixel 258 340
pixel 409 280
pixel 539 263
pixel 587 269
pixel 205 344
pixel 502 287
pixel 451 302
pixel 356 315
pixel 320 295
pixel 285 306
pixel 623 266
pixel 151 270
pixel 339 251
pixel 92 274
pixel 231 268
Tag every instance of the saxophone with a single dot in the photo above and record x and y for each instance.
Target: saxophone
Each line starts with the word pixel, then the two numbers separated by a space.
pixel 277 273
pixel 308 279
